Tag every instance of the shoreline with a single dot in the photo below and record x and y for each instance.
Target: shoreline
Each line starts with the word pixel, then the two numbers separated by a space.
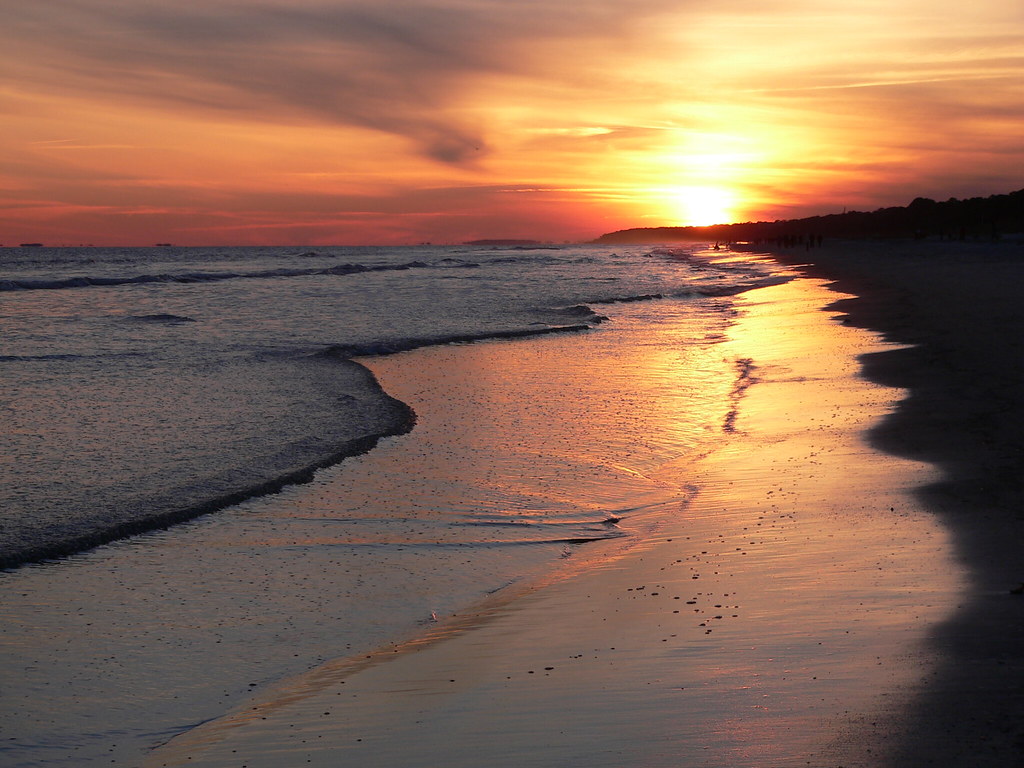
pixel 961 306
pixel 715 639
pixel 102 650
pixel 396 418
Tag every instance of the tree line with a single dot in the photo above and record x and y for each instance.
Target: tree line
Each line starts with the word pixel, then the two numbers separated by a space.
pixel 975 218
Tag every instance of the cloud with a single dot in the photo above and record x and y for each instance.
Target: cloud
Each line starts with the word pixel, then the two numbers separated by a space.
pixel 398 67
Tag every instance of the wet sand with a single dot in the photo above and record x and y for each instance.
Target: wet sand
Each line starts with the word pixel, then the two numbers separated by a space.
pixel 780 613
pixel 962 306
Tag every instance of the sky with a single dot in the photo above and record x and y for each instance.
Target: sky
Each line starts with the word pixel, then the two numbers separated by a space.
pixel 235 122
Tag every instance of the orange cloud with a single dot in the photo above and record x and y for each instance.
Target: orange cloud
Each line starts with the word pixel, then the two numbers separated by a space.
pixel 352 121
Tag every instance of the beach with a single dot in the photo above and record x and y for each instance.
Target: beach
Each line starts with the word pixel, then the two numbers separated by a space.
pixel 795 609
pixel 960 305
pixel 772 529
pixel 505 477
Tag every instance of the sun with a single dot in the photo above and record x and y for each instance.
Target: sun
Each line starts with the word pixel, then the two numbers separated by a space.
pixel 700 206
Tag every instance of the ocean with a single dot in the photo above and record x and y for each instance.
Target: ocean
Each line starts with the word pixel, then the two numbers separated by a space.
pixel 267 458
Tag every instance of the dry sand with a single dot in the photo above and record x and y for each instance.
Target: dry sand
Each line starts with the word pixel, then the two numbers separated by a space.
pixel 789 613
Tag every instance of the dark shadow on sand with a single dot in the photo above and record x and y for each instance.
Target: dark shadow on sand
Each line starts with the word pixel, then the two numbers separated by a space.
pixel 962 307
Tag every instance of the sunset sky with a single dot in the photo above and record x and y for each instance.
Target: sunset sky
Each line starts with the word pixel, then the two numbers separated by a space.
pixel 399 121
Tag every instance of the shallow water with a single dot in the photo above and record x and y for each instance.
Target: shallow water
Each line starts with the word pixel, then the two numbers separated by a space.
pixel 523 452
pixel 144 385
pixel 761 620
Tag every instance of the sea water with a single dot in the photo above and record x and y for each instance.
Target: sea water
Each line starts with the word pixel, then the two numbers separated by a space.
pixel 146 386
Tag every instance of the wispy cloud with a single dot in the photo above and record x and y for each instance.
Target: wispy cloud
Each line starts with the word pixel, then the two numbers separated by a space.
pixel 66 144
pixel 886 83
pixel 336 110
pixel 397 67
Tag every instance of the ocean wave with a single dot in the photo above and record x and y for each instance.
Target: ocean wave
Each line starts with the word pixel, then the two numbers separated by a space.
pixel 731 289
pixel 85 281
pixel 628 299
pixel 451 263
pixel 532 259
pixel 393 346
pixel 66 356
pixel 538 522
pixel 225 488
pixel 581 311
pixel 37 358
pixel 488 543
pixel 162 317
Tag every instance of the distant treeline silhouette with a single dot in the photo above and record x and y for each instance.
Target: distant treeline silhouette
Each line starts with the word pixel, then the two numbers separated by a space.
pixel 970 219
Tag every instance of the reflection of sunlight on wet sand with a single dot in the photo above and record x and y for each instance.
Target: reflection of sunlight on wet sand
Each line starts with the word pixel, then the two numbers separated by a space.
pixel 586 420
pixel 837 569
pixel 746 628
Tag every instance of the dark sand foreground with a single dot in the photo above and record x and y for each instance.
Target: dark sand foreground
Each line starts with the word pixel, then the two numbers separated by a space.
pixel 803 607
pixel 962 306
